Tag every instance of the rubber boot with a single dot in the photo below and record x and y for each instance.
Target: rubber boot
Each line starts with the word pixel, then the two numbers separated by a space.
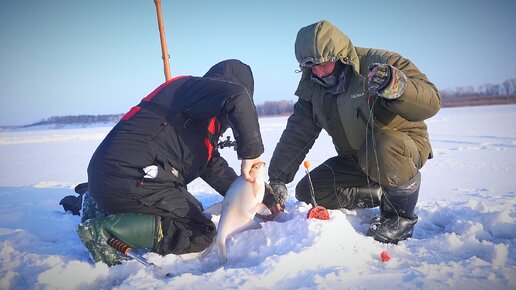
pixel 133 229
pixel 359 197
pixel 397 218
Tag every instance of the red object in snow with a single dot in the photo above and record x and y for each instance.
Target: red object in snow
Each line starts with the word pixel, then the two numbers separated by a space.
pixel 385 256
pixel 318 212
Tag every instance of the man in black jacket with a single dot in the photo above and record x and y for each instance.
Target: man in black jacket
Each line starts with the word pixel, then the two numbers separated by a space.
pixel 139 173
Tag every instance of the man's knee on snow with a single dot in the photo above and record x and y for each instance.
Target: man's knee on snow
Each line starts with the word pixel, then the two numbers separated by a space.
pixel 390 159
pixel 181 237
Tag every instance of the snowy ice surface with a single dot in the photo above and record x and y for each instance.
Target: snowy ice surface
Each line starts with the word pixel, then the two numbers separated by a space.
pixel 465 238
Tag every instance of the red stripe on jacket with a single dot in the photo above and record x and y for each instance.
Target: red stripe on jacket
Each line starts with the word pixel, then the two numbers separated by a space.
pixel 151 95
pixel 131 113
pixel 213 126
pixel 135 109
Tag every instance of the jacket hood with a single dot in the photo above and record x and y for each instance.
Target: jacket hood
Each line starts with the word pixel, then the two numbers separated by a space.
pixel 321 42
pixel 235 71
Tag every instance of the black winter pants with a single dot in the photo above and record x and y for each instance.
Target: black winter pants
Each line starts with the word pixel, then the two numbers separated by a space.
pixel 388 158
pixel 185 228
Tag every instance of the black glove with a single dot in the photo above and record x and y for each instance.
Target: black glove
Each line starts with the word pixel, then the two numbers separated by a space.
pixel 280 191
pixel 387 81
pixel 272 202
pixel 269 199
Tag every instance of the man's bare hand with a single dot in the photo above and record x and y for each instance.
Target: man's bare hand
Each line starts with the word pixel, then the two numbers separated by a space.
pixel 246 166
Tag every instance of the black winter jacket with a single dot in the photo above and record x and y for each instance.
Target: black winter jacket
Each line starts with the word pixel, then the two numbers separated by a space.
pixel 176 128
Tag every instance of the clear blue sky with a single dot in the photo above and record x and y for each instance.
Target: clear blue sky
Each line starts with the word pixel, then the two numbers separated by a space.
pixel 74 57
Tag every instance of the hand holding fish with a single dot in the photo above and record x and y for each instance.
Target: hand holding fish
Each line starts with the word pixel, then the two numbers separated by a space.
pixel 246 166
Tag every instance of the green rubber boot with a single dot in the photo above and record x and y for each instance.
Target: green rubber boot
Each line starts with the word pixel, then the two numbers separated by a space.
pixel 133 229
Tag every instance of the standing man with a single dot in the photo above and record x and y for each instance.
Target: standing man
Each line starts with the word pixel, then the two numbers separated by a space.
pixel 140 171
pixel 372 103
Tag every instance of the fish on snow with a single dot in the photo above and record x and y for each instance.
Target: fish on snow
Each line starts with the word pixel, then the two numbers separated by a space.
pixel 242 201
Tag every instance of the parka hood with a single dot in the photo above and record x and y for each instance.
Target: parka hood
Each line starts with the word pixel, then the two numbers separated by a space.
pixel 321 42
pixel 233 70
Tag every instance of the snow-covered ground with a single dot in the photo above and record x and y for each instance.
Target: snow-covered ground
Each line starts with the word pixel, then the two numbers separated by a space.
pixel 465 238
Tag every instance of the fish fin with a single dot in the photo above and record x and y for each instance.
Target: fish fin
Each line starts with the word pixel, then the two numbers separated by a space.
pixel 215 209
pixel 250 225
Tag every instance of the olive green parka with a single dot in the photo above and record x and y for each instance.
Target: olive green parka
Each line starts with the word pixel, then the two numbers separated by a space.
pixel 347 116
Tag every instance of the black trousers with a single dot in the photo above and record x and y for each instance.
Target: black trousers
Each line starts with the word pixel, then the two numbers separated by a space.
pixel 185 228
pixel 388 158
pixel 334 173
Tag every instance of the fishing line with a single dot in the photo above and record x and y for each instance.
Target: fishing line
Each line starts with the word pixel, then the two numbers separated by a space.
pixel 370 120
pixel 334 184
pixel 373 141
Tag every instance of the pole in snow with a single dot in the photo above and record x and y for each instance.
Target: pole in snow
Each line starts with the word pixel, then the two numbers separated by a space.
pixel 164 52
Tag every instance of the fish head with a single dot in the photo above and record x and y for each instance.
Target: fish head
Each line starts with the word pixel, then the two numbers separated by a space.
pixel 258 170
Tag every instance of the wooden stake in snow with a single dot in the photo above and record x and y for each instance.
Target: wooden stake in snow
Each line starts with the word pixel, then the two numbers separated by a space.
pixel 164 52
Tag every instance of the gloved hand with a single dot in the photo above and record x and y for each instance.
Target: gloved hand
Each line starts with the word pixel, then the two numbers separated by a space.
pixel 280 191
pixel 386 80
pixel 271 202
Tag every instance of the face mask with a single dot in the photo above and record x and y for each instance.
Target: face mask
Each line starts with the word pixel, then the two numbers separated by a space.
pixel 336 81
pixel 327 81
pixel 332 79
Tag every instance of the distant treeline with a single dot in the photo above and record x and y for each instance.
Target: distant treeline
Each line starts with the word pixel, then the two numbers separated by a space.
pixel 79 119
pixel 488 94
pixel 275 108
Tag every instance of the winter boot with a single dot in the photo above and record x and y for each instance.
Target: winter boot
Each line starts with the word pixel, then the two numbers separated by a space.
pixel 90 208
pixel 133 229
pixel 397 218
pixel 72 203
pixel 359 197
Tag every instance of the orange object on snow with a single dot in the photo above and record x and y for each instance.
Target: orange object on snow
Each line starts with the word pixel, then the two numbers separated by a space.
pixel 385 256
pixel 318 212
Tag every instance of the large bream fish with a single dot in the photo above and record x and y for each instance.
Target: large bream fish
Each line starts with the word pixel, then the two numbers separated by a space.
pixel 242 201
